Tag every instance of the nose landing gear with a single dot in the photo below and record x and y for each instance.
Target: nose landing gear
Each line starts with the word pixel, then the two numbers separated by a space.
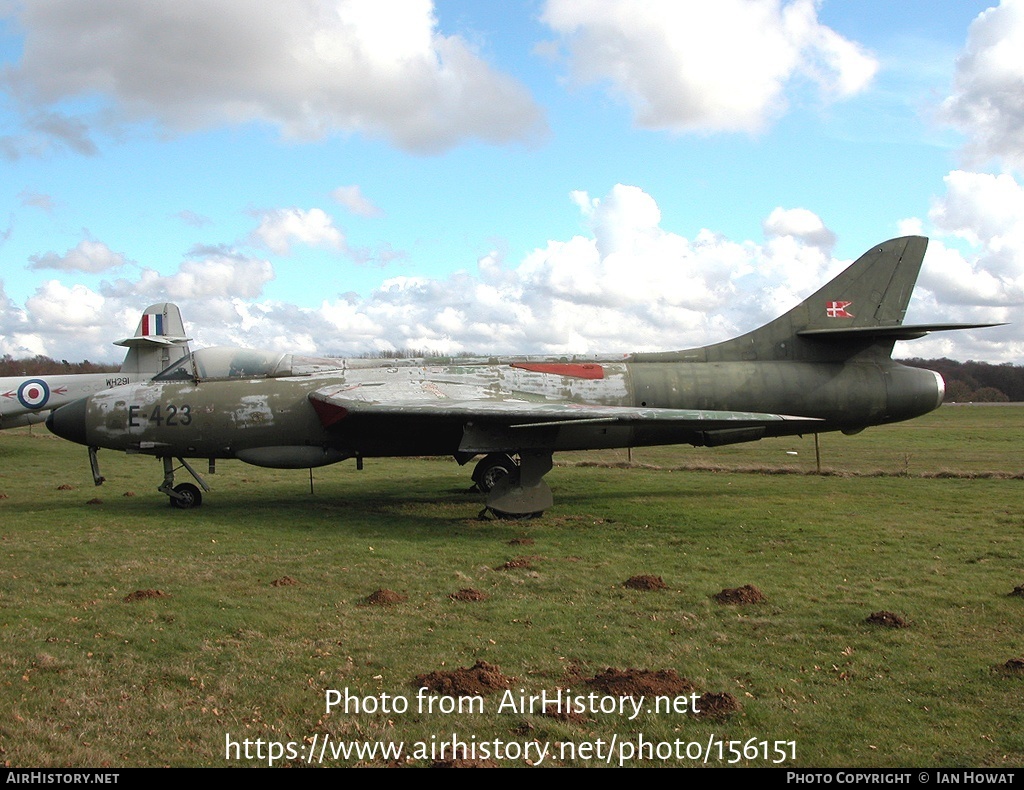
pixel 184 496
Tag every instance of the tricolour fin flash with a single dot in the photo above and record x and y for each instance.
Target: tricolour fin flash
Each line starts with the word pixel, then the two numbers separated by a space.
pixel 159 340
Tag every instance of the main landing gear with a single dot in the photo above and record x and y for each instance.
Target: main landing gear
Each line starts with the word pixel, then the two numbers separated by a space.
pixel 184 495
pixel 491 468
pixel 515 490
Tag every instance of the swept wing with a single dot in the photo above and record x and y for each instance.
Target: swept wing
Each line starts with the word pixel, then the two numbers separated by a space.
pixel 503 421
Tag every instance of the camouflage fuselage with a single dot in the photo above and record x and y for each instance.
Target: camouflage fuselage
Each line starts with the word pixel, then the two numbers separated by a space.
pixel 272 421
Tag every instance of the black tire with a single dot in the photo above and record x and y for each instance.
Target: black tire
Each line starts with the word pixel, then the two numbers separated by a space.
pixel 189 496
pixel 501 515
pixel 492 468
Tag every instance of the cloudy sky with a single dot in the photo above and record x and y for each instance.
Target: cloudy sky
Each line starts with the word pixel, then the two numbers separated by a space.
pixel 534 176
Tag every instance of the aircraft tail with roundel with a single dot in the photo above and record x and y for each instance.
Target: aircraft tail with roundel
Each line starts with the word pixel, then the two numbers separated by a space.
pixel 159 340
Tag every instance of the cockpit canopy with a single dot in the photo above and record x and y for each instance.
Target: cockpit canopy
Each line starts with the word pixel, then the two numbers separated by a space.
pixel 225 362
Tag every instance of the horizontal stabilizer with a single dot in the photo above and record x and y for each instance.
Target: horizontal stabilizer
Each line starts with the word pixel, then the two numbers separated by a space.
pixel 900 332
pixel 151 340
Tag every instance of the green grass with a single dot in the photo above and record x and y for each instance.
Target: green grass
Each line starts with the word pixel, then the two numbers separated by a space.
pixel 87 679
pixel 965 440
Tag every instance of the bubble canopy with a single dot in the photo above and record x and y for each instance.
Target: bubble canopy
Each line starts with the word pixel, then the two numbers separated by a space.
pixel 225 362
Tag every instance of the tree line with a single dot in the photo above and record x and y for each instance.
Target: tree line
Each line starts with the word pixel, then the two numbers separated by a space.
pixel 980 382
pixel 40 365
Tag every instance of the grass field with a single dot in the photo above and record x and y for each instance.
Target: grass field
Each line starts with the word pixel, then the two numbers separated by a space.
pixel 923 519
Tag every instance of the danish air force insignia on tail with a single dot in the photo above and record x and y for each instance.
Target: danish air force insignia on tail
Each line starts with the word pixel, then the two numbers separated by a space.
pixel 838 310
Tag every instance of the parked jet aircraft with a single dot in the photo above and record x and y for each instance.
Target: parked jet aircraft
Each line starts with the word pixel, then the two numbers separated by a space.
pixel 823 366
pixel 160 338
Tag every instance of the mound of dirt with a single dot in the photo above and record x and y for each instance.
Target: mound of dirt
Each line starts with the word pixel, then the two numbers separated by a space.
pixel 1014 665
pixel 526 563
pixel 521 542
pixel 284 581
pixel 94 501
pixel 712 705
pixel 1018 591
pixel 65 487
pixel 384 597
pixel 141 595
pixel 640 682
pixel 645 583
pixel 128 494
pixel 748 593
pixel 468 594
pixel 481 678
pixel 888 619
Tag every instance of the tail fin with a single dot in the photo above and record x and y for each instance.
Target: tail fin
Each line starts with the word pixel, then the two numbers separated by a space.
pixel 859 313
pixel 843 317
pixel 159 340
pixel 873 292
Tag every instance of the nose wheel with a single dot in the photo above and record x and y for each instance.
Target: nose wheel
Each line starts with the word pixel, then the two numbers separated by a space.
pixel 187 496
pixel 183 496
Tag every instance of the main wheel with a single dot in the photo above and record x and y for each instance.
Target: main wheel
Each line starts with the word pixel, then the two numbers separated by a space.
pixel 503 516
pixel 492 468
pixel 189 496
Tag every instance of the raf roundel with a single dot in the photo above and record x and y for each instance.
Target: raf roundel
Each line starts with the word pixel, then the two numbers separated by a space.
pixel 33 394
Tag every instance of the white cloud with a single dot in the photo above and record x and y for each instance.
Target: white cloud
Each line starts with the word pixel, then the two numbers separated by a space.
pixel 974 270
pixel 215 275
pixel 76 322
pixel 279 227
pixel 67 309
pixel 987 101
pixel 982 208
pixel 801 224
pixel 311 67
pixel 15 338
pixel 352 198
pixel 626 284
pixel 987 212
pixel 20 345
pixel 958 281
pixel 699 66
pixel 86 256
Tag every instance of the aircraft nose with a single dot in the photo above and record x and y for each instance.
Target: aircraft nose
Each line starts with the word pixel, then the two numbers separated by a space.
pixel 68 422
